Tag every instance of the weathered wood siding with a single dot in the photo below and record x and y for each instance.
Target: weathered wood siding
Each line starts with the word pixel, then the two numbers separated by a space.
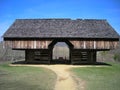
pixel 43 44
pixel 27 44
pixel 94 44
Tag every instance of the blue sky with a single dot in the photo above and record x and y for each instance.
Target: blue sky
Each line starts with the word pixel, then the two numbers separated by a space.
pixel 85 9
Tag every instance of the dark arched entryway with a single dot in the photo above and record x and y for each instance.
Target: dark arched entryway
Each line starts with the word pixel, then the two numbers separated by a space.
pixel 60 51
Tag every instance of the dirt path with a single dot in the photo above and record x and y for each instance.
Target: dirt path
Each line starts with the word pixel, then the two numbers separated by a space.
pixel 64 79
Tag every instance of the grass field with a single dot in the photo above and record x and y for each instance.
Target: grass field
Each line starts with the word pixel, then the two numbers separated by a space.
pixel 36 78
pixel 26 78
pixel 100 78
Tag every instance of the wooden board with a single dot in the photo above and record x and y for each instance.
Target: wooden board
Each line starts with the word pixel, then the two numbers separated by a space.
pixel 27 44
pixel 94 44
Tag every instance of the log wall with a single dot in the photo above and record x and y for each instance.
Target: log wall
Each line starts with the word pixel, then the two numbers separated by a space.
pixel 38 56
pixel 78 56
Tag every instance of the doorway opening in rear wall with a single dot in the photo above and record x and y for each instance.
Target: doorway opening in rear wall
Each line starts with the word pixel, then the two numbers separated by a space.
pixel 61 53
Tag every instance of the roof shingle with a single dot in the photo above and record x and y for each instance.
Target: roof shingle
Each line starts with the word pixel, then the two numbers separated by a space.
pixel 66 28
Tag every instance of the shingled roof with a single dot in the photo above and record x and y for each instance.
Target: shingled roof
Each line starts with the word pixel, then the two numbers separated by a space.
pixel 60 28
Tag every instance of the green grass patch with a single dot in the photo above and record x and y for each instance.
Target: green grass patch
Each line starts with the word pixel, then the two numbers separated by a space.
pixel 26 78
pixel 100 78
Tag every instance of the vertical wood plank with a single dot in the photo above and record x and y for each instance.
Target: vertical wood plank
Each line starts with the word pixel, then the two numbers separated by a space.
pixel 94 44
pixel 84 44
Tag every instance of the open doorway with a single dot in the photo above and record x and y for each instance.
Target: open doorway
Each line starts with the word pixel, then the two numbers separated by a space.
pixel 61 53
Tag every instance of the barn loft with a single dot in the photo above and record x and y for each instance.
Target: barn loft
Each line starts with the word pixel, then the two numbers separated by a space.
pixel 84 38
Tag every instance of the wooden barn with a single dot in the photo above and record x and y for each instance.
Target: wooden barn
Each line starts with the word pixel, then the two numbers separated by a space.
pixel 84 38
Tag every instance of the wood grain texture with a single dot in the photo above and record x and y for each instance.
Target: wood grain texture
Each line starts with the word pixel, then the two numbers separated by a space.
pixel 27 44
pixel 43 44
pixel 94 44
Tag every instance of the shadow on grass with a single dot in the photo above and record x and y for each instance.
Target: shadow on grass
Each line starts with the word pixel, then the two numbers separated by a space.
pixel 62 63
pixel 95 63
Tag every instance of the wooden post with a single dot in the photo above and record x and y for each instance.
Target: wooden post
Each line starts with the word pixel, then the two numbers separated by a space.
pixel 25 55
pixel 70 55
pixel 94 56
